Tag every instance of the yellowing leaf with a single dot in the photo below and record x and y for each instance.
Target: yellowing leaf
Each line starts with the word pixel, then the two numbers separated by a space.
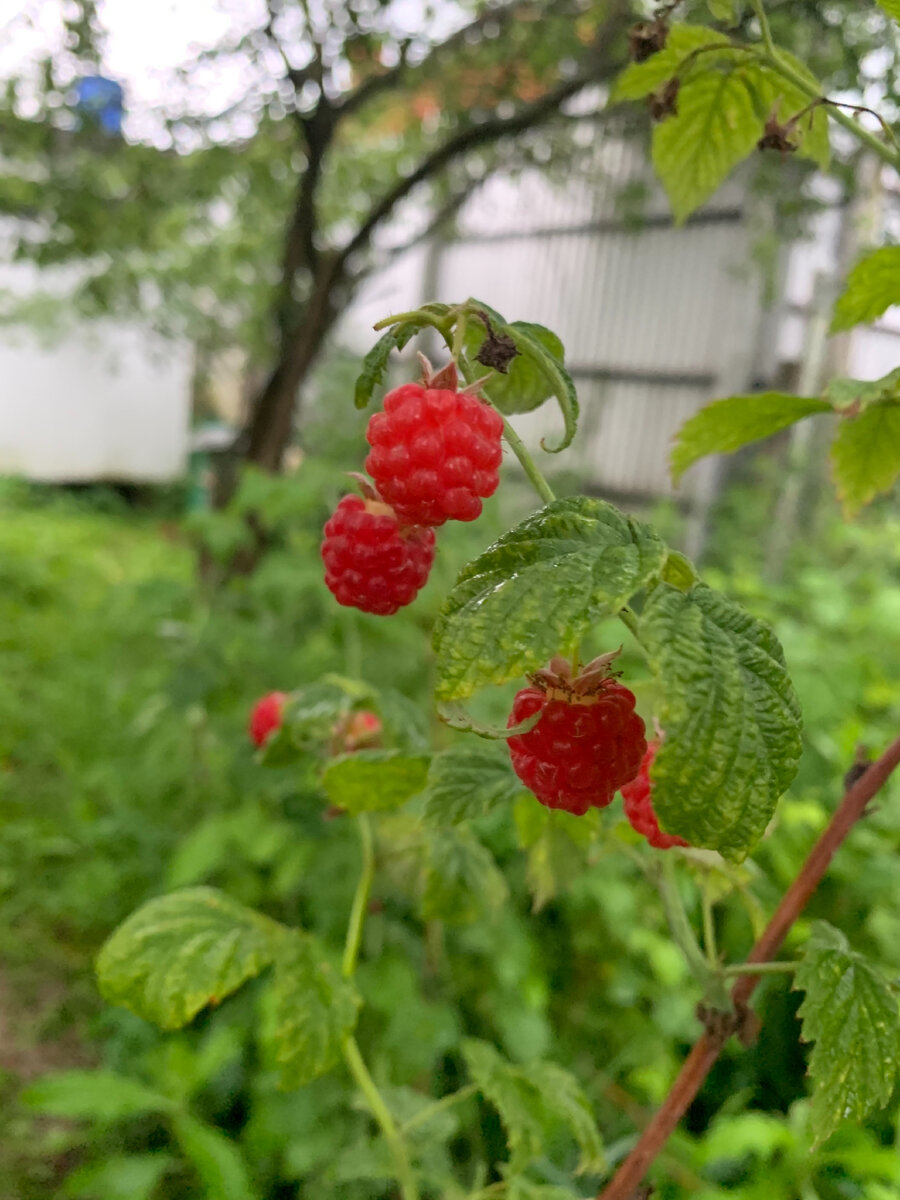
pixel 183 951
pixel 851 1014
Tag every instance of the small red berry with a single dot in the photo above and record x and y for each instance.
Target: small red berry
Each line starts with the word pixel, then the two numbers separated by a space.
pixel 639 805
pixel 266 717
pixel 371 561
pixel 435 451
pixel 587 742
pixel 357 730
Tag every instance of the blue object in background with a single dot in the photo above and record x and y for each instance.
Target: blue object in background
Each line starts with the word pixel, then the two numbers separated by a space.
pixel 103 99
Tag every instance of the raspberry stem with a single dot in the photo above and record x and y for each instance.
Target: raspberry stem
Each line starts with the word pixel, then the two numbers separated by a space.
pixel 529 466
pixel 360 898
pixel 382 1115
pixel 709 927
pixel 352 1056
pixel 758 968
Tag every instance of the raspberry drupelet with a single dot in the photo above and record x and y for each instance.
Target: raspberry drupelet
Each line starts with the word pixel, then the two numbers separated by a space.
pixel 372 561
pixel 587 742
pixel 639 805
pixel 435 451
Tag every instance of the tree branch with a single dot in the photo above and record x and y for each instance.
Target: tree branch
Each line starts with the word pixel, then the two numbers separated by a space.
pixel 471 137
pixel 500 14
pixel 706 1050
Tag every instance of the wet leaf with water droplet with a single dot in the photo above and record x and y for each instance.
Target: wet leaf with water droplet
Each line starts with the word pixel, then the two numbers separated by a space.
pixel 538 588
pixel 731 718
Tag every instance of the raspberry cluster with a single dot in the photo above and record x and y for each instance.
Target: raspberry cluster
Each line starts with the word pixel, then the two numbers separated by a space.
pixel 639 805
pixel 435 454
pixel 588 740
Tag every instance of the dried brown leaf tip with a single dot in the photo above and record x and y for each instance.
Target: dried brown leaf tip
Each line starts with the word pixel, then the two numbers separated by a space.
pixel 779 135
pixel 497 350
pixel 664 101
pixel 646 38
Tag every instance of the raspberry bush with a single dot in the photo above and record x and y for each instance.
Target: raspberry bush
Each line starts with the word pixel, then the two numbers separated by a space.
pixel 531 628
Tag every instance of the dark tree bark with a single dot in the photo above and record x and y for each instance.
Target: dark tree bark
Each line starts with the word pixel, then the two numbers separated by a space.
pixel 304 327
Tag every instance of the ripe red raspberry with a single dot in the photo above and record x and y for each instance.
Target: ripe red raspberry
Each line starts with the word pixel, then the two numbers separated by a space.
pixel 587 742
pixel 435 450
pixel 371 561
pixel 266 717
pixel 639 805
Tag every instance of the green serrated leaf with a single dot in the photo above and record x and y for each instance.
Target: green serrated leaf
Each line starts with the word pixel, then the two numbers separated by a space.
pixel 556 844
pixel 314 1010
pixel 851 1014
pixel 716 126
pixel 726 425
pixel 93 1095
pixel 531 1101
pixel 513 1097
pixel 891 7
pixel 723 10
pixel 865 454
pixel 858 394
pixel 180 952
pixel 467 781
pixel 217 1160
pixel 872 287
pixel 462 880
pixel 565 1100
pixel 375 363
pixel 539 587
pixel 640 79
pixel 730 715
pixel 374 780
pixel 679 571
pixel 120 1177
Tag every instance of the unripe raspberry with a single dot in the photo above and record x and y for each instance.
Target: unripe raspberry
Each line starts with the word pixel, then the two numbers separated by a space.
pixel 587 742
pixel 371 561
pixel 357 730
pixel 639 805
pixel 265 717
pixel 435 451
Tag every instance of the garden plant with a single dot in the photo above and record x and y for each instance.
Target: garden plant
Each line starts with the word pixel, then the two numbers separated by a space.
pixel 582 608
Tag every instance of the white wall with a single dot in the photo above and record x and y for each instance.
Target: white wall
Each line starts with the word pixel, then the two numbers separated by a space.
pixel 106 402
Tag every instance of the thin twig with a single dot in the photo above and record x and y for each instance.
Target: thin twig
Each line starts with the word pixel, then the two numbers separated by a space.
pixel 708 1046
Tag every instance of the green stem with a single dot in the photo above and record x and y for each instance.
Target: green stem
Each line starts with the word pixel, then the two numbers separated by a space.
pixel 459 335
pixel 360 898
pixel 416 314
pixel 764 27
pixel 786 71
pixel 760 968
pixel 529 466
pixel 381 1113
pixel 709 928
pixel 423 1117
pixel 630 621
pixel 679 924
